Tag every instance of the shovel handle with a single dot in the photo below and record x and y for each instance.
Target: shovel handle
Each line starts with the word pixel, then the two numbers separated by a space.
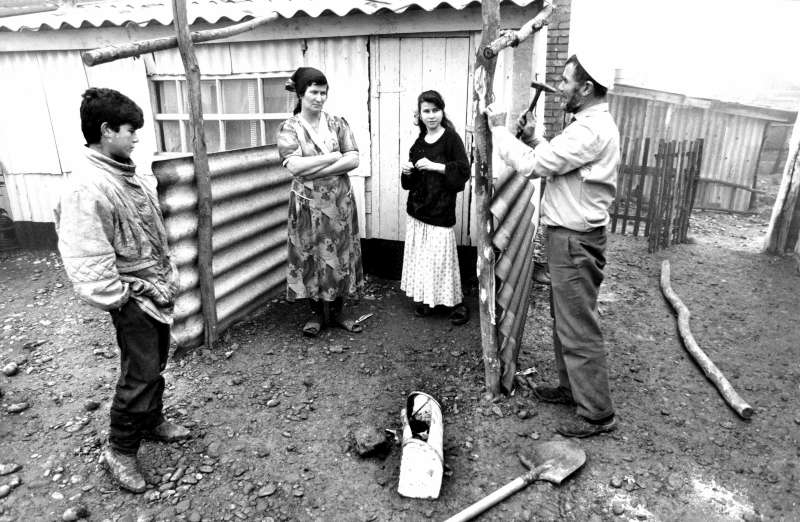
pixel 490 500
pixel 499 495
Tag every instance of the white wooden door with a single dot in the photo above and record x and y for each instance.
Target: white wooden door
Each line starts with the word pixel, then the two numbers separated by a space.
pixel 402 68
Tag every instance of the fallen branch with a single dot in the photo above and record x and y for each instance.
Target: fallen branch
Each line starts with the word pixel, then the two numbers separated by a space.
pixel 110 53
pixel 707 365
pixel 510 38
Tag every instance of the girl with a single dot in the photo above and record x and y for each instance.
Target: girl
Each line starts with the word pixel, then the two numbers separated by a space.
pixel 434 174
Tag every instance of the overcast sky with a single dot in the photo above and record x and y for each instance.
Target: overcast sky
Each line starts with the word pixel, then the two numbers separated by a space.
pixel 729 49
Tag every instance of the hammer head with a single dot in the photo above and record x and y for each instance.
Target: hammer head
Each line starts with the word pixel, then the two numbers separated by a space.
pixel 542 87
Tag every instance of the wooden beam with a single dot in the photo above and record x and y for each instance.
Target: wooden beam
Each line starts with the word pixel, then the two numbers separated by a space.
pixel 111 53
pixel 202 174
pixel 483 91
pixel 513 38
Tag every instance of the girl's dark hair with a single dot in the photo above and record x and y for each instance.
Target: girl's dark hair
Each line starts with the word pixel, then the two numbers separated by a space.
pixel 436 99
pixel 109 106
pixel 302 78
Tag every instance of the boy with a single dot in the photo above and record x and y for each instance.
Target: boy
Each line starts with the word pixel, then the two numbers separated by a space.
pixel 114 247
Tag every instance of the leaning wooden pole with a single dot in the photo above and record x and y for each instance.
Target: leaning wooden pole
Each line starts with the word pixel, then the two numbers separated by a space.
pixel 202 174
pixel 110 53
pixel 783 233
pixel 483 92
pixel 707 365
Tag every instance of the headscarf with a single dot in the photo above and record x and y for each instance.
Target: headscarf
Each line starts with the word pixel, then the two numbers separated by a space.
pixel 303 77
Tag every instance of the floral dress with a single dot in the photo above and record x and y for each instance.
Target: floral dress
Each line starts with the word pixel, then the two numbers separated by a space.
pixel 324 247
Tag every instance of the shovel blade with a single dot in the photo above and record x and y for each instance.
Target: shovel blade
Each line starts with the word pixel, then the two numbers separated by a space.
pixel 558 458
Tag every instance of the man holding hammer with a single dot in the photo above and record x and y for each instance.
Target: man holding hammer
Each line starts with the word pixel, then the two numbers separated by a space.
pixel 580 166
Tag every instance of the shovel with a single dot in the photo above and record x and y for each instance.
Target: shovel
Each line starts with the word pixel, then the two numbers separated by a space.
pixel 552 461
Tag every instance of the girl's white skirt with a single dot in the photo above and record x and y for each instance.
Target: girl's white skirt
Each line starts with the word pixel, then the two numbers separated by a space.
pixel 430 264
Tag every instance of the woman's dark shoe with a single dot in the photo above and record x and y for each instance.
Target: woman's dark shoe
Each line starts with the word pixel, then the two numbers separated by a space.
pixel 459 315
pixel 349 324
pixel 313 327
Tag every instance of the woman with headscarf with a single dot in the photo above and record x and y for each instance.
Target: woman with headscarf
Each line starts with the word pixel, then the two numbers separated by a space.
pixel 319 150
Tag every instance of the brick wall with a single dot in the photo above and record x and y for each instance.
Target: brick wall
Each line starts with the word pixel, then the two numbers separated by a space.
pixel 557 43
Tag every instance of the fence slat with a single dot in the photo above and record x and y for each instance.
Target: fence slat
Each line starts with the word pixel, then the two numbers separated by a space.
pixel 640 187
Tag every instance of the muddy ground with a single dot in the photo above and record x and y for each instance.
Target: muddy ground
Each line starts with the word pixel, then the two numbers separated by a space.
pixel 271 411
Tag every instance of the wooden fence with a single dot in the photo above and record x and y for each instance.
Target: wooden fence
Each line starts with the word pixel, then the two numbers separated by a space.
pixel 656 200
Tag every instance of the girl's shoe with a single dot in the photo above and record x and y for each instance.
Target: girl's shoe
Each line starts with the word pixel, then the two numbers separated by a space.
pixel 459 315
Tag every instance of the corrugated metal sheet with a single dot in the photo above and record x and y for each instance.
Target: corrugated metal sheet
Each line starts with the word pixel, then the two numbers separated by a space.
pixel 250 195
pixel 515 207
pixel 732 142
pixel 146 12
pixel 33 197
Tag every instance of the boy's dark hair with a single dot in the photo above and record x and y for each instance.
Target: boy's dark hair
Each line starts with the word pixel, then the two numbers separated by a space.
pixel 582 76
pixel 110 106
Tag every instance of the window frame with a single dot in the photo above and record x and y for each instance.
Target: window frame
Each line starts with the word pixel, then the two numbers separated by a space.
pixel 220 117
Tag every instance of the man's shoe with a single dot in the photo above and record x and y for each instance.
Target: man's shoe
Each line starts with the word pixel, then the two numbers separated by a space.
pixel 168 432
pixel 540 274
pixel 124 469
pixel 581 428
pixel 555 395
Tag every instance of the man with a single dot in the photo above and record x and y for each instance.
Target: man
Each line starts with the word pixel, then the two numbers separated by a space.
pixel 580 165
pixel 113 243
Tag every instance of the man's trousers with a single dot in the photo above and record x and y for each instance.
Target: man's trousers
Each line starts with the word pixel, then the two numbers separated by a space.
pixel 576 270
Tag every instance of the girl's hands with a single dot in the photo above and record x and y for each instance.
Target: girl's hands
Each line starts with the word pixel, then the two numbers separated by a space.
pixel 406 167
pixel 426 164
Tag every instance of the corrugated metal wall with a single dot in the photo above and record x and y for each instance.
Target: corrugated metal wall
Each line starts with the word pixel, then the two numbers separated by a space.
pixel 41 129
pixel 250 193
pixel 345 62
pixel 731 144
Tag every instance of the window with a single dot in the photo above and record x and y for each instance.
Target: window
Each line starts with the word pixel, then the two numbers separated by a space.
pixel 238 111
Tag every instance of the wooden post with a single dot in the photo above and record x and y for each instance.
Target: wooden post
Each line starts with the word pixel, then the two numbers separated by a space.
pixel 483 91
pixel 202 174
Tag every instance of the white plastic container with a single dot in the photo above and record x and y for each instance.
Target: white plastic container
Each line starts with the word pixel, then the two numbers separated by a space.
pixel 422 462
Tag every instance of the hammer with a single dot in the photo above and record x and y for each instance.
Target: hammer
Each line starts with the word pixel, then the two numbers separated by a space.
pixel 539 88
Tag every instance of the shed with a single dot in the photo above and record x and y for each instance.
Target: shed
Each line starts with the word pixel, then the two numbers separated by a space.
pixel 378 55
pixel 737 137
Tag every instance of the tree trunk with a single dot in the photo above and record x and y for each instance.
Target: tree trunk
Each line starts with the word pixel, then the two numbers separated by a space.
pixel 483 90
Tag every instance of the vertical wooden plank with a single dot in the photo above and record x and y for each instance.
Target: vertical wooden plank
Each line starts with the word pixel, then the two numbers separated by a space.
pixel 651 230
pixel 389 136
pixel 455 95
pixel 670 193
pixel 640 186
pixel 469 216
pixel 629 172
pixel 373 184
pixel 202 174
pixel 410 86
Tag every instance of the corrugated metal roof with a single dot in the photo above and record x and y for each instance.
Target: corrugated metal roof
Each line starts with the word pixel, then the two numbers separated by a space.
pixel 150 12
pixel 18 7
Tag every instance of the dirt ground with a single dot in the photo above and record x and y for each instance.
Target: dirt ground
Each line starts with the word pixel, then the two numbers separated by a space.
pixel 271 412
